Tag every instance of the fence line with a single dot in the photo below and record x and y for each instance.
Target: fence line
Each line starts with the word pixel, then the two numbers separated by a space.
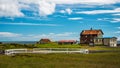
pixel 46 50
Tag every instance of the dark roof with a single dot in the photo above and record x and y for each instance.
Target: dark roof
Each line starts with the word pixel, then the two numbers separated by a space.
pixel 87 32
pixel 45 40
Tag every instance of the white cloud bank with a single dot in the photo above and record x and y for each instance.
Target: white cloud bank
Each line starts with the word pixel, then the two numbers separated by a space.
pixel 53 36
pixel 76 18
pixel 112 20
pixel 46 8
pixel 31 24
pixel 12 8
pixel 116 14
pixel 90 2
pixel 117 10
pixel 115 20
pixel 68 11
pixel 9 34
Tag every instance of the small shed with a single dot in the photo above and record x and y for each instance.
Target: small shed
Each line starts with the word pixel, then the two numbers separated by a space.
pixel 67 42
pixel 44 41
pixel 110 41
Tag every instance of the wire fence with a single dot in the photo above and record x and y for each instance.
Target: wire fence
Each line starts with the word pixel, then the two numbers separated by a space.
pixel 46 50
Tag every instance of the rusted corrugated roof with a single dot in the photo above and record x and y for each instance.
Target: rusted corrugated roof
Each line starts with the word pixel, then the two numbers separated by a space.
pixel 67 41
pixel 45 40
pixel 85 32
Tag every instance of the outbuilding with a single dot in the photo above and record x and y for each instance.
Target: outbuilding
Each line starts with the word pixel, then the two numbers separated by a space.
pixel 67 42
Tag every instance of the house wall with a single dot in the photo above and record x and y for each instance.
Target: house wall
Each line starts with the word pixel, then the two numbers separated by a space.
pixel 86 39
pixel 98 41
pixel 106 41
pixel 113 42
pixel 99 36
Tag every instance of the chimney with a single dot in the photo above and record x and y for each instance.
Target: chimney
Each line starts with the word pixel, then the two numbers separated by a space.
pixel 91 29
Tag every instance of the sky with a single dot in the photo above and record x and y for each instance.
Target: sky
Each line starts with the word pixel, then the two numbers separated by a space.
pixel 31 20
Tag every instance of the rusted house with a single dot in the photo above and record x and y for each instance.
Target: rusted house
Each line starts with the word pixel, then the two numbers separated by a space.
pixel 44 41
pixel 67 42
pixel 95 37
pixel 87 36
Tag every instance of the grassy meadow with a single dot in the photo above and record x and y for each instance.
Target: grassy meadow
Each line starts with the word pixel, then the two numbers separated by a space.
pixel 55 45
pixel 96 60
pixel 92 60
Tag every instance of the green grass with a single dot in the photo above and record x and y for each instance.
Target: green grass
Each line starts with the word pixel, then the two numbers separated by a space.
pixel 55 45
pixel 97 60
pixel 77 46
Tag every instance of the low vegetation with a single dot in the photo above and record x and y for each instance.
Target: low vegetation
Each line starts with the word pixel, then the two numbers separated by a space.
pixel 14 45
pixel 96 60
pixel 55 45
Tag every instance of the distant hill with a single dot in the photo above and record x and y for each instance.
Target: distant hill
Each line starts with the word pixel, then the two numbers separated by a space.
pixel 20 42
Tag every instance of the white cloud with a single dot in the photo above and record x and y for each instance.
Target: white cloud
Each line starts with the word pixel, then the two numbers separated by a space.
pixel 46 8
pixel 56 36
pixel 112 20
pixel 90 2
pixel 10 8
pixel 104 19
pixel 77 18
pixel 99 19
pixel 117 10
pixel 36 37
pixel 9 34
pixel 67 10
pixel 115 20
pixel 116 14
pixel 118 27
pixel 31 24
pixel 62 11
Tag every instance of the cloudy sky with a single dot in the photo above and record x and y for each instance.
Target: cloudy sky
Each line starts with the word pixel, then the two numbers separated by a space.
pixel 31 20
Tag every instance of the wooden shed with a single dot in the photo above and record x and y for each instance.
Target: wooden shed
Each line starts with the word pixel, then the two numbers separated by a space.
pixel 67 42
pixel 44 41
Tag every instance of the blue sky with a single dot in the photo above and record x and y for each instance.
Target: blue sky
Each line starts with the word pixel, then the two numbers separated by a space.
pixel 31 20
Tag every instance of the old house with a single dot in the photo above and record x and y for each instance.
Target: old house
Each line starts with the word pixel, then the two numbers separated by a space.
pixel 95 37
pixel 66 42
pixel 44 41
pixel 87 36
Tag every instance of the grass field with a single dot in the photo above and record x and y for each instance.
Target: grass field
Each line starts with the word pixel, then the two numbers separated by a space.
pixel 94 60
pixel 97 60
pixel 55 45
pixel 78 46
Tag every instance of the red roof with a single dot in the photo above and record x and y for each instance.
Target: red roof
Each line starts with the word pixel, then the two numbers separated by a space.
pixel 85 32
pixel 67 41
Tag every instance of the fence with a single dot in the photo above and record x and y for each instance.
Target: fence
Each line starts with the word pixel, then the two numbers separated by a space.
pixel 46 50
